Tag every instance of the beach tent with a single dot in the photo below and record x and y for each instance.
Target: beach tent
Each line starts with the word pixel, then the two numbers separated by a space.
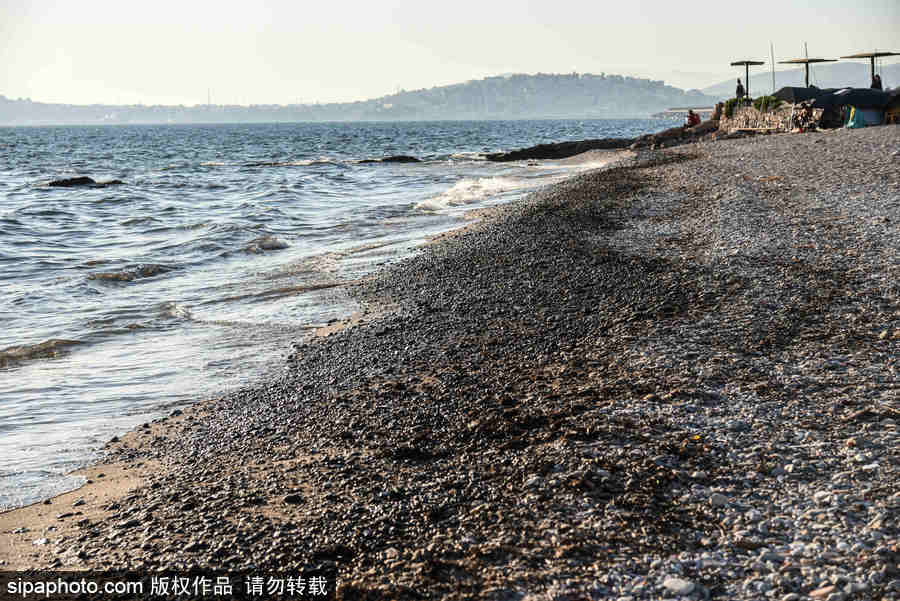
pixel 857 117
pixel 892 110
pixel 794 95
pixel 861 98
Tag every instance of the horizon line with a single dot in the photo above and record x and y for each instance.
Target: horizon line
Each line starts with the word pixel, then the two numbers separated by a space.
pixel 403 90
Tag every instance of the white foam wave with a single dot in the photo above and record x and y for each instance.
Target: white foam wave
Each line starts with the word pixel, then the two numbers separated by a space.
pixel 173 309
pixel 323 160
pixel 572 167
pixel 468 156
pixel 471 190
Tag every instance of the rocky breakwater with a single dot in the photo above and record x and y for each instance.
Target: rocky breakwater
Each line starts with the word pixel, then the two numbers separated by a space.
pixel 674 136
pixel 560 150
pixel 674 379
pixel 707 131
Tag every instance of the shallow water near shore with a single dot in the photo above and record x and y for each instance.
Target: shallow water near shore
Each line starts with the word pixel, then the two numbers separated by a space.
pixel 224 244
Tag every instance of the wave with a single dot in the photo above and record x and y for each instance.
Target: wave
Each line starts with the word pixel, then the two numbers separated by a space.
pixel 299 163
pixel 48 213
pixel 468 156
pixel 199 249
pixel 283 291
pixel 43 350
pixel 173 309
pixel 470 190
pixel 586 161
pixel 137 272
pixel 139 220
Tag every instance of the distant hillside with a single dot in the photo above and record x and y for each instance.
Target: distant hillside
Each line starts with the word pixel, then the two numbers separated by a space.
pixel 535 96
pixel 514 96
pixel 842 74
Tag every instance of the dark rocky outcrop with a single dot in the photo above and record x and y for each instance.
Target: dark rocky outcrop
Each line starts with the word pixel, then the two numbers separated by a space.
pixel 670 137
pixel 675 136
pixel 400 158
pixel 73 182
pixel 560 150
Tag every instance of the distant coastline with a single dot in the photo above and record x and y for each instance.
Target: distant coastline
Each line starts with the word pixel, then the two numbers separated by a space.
pixel 518 96
pixel 502 97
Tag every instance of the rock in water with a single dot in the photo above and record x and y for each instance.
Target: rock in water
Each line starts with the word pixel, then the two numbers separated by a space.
pixel 400 158
pixel 264 243
pixel 73 181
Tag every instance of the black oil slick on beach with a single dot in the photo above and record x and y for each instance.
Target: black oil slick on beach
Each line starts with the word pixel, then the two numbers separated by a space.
pixel 222 244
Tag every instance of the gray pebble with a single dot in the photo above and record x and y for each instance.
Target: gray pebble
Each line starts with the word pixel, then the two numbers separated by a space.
pixel 679 586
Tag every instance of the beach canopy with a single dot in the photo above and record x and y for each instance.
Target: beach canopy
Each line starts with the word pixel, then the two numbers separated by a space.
pixel 805 62
pixel 892 110
pixel 794 95
pixel 861 98
pixel 863 117
pixel 894 102
pixel 871 56
pixel 746 65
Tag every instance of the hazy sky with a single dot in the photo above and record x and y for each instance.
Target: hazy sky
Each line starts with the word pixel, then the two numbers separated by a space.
pixel 274 51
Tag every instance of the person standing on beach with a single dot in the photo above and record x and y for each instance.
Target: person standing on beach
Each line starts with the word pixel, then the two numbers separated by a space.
pixel 876 82
pixel 739 91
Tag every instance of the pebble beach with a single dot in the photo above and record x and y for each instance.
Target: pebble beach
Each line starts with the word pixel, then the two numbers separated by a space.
pixel 672 378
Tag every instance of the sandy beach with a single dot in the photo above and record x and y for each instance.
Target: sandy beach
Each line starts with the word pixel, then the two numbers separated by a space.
pixel 676 377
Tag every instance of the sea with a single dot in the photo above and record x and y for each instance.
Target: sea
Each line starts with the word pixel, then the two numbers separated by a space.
pixel 223 245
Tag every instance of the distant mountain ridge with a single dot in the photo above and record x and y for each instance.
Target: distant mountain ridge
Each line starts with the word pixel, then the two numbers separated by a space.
pixel 513 96
pixel 842 74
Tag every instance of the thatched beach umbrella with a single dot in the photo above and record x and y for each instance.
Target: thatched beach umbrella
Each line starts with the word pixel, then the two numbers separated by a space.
pixel 871 56
pixel 806 62
pixel 746 64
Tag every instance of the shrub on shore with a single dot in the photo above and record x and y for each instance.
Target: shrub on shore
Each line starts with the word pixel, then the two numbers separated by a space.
pixel 766 103
pixel 762 104
pixel 729 106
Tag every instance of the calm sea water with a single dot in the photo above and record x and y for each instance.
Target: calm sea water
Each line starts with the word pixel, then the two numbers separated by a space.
pixel 194 276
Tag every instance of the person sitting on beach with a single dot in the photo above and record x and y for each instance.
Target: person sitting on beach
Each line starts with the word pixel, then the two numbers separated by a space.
pixel 876 82
pixel 692 119
pixel 739 91
pixel 804 119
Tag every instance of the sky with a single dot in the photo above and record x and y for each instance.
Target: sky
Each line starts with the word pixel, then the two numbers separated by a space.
pixel 287 51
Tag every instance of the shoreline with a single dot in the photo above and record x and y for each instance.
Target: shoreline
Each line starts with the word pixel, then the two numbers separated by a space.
pixel 120 477
pixel 471 217
pixel 619 387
